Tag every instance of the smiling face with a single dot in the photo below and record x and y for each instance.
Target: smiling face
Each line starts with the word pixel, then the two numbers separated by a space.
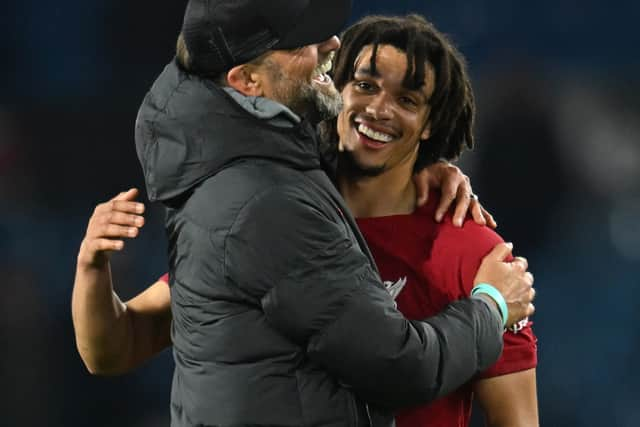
pixel 297 78
pixel 382 121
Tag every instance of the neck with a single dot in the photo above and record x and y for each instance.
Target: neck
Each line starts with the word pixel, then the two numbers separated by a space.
pixel 391 193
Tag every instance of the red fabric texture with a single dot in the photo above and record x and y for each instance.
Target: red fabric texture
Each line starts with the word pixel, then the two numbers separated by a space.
pixel 439 262
pixel 164 278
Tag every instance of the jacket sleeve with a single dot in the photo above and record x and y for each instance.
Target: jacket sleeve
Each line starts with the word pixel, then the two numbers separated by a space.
pixel 318 289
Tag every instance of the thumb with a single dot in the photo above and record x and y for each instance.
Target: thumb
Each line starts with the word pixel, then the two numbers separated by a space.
pixel 500 252
pixel 128 195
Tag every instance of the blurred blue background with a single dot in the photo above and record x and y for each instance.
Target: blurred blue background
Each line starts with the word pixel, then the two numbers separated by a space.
pixel 557 162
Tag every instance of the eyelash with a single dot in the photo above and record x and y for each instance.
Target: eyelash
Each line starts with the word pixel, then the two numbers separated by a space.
pixel 364 85
pixel 407 100
pixel 368 87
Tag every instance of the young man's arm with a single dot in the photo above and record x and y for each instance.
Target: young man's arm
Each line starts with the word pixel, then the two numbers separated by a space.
pixel 113 337
pixel 507 390
pixel 454 186
pixel 509 400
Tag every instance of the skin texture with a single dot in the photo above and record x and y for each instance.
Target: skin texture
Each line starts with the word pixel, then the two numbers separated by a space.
pixel 115 337
pixel 509 400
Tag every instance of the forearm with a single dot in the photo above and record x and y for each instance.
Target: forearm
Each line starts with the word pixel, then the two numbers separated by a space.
pixel 102 326
pixel 509 400
pixel 430 360
pixel 473 323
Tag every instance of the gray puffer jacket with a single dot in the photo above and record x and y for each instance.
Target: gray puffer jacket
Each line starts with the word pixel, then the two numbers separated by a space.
pixel 279 316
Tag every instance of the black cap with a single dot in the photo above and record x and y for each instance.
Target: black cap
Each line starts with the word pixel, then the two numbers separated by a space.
pixel 220 34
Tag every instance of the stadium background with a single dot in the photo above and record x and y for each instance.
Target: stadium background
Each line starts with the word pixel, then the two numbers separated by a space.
pixel 557 162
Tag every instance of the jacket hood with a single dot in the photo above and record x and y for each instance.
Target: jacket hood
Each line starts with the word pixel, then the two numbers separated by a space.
pixel 188 129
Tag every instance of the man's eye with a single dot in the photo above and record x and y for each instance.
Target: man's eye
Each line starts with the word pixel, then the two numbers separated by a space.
pixel 364 86
pixel 408 101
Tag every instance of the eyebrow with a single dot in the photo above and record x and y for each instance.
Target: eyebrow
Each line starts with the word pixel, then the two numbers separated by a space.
pixel 366 71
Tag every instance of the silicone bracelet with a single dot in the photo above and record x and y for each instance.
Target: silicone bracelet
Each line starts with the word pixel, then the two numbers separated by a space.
pixel 485 288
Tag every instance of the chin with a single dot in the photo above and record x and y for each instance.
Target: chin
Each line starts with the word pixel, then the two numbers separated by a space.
pixel 356 168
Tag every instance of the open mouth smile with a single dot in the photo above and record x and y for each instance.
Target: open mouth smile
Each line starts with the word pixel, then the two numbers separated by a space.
pixel 372 138
pixel 374 134
pixel 320 73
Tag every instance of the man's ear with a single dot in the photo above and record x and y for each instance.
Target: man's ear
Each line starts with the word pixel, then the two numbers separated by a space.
pixel 245 80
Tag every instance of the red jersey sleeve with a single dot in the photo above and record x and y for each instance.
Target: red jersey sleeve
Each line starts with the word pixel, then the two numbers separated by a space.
pixel 164 278
pixel 476 241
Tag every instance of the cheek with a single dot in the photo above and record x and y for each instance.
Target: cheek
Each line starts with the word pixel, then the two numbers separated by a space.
pixel 410 150
pixel 306 64
pixel 343 116
pixel 343 123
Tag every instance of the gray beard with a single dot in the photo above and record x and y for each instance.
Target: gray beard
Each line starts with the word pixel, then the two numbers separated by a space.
pixel 320 104
pixel 305 98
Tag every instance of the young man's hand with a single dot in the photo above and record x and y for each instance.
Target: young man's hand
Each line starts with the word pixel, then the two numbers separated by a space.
pixel 111 222
pixel 454 186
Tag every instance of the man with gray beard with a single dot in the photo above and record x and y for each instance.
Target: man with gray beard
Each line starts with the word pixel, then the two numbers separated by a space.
pixel 279 315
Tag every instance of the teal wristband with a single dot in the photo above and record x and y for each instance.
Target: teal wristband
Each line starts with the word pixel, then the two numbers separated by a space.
pixel 485 288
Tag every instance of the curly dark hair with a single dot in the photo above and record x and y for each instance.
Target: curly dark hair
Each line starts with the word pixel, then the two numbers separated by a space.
pixel 452 102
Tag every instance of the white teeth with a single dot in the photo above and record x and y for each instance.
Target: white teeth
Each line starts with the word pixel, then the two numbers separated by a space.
pixel 325 67
pixel 375 135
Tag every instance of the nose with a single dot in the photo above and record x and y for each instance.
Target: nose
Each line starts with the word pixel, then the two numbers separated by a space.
pixel 329 45
pixel 378 107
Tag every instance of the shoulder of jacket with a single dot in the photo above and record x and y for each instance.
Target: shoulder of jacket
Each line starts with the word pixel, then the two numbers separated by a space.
pixel 283 197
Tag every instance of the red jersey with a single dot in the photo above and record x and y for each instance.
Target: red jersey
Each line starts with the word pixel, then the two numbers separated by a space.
pixel 432 264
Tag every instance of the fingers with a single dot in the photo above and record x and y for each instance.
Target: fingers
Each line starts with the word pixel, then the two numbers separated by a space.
pixel 123 202
pixel 477 212
pixel 463 201
pixel 457 186
pixel 491 222
pixel 119 218
pixel 109 230
pixel 449 192
pixel 112 223
pixel 530 310
pixel 528 278
pixel 130 194
pixel 421 180
pixel 119 205
pixel 105 245
pixel 524 306
pixel 523 264
pixel 453 185
pixel 500 252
